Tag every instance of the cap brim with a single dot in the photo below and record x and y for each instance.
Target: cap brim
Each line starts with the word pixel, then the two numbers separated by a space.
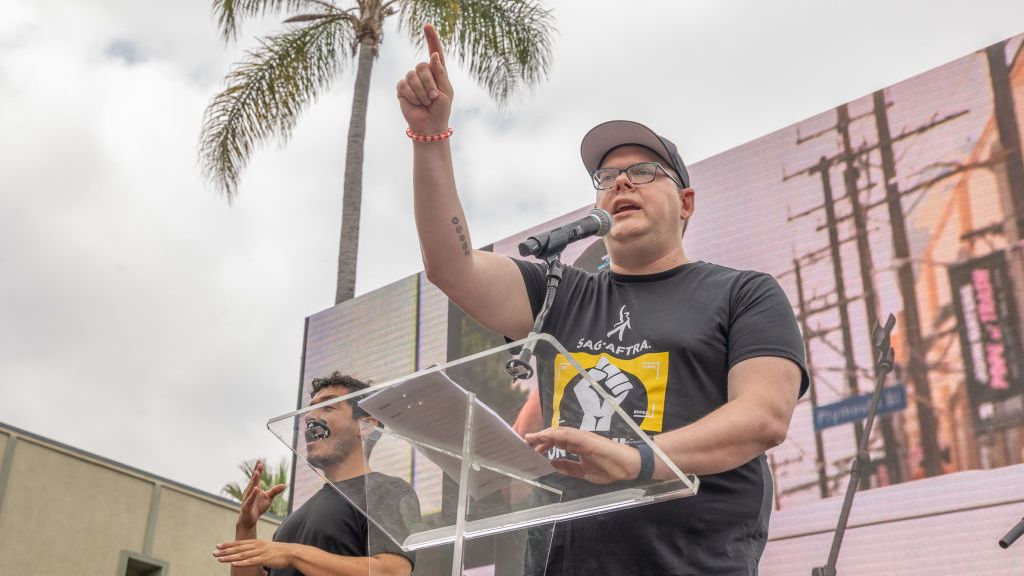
pixel 609 135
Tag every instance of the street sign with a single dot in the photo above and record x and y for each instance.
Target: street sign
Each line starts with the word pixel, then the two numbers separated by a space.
pixel 894 399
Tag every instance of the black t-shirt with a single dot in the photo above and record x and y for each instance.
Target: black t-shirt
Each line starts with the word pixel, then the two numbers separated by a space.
pixel 663 344
pixel 330 522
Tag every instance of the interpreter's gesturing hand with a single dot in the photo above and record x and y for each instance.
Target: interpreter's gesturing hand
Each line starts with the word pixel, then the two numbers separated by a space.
pixel 255 500
pixel 601 461
pixel 425 94
pixel 254 553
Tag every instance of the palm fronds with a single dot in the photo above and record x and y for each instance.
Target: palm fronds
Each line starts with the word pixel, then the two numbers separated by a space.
pixel 266 93
pixel 504 43
pixel 230 13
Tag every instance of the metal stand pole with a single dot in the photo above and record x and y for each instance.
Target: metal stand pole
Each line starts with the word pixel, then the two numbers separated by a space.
pixel 1012 535
pixel 519 367
pixel 881 340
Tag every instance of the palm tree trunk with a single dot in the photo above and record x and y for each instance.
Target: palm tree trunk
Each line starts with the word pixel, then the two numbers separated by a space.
pixel 351 204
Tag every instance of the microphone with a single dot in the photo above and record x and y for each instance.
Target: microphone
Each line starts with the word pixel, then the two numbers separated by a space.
pixel 597 222
pixel 1012 535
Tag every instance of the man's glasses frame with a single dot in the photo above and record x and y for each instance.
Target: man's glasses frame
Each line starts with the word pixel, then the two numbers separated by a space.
pixel 634 173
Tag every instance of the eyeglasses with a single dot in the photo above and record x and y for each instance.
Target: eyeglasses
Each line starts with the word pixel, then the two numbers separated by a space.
pixel 640 173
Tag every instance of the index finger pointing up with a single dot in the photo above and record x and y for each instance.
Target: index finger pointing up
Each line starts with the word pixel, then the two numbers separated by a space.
pixel 433 42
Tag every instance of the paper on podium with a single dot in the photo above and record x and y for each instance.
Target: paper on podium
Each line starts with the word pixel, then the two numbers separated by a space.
pixel 431 410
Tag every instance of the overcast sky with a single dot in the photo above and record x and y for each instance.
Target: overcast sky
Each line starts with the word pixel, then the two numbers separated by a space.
pixel 145 319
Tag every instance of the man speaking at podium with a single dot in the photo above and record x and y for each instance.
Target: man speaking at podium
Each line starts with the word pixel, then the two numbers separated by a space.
pixel 728 351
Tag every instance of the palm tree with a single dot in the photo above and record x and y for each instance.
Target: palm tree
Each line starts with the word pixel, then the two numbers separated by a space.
pixel 504 43
pixel 270 477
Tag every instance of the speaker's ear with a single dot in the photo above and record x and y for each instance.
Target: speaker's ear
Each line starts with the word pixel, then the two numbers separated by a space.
pixel 687 205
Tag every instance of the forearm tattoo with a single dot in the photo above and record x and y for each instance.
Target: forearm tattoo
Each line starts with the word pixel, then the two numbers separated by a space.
pixel 462 235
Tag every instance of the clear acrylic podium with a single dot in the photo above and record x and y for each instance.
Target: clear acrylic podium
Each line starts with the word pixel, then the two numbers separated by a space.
pixel 453 433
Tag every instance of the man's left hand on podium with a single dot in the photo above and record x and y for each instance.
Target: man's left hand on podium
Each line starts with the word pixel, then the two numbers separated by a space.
pixel 601 461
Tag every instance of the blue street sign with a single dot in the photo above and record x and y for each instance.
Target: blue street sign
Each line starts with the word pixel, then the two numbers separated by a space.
pixel 894 399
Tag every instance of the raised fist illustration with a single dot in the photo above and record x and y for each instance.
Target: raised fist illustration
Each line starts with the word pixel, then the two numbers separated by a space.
pixel 596 412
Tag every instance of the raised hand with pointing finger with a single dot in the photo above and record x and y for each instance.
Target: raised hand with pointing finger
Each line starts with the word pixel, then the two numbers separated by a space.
pixel 425 94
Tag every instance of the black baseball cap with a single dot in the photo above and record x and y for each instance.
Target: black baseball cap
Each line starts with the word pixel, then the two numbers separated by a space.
pixel 608 136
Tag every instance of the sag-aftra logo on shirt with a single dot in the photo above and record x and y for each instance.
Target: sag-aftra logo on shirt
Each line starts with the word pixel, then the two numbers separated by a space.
pixel 614 342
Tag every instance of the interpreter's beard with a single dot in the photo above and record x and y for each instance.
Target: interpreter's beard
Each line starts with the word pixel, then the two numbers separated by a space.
pixel 330 451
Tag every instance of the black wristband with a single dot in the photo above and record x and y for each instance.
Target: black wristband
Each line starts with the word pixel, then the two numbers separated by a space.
pixel 646 460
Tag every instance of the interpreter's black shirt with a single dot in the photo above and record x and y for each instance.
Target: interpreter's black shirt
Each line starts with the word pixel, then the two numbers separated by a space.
pixel 331 523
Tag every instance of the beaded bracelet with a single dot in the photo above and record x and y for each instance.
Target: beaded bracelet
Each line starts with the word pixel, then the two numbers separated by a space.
pixel 428 137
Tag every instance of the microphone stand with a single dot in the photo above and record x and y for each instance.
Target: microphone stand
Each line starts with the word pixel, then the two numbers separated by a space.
pixel 881 341
pixel 1012 535
pixel 519 368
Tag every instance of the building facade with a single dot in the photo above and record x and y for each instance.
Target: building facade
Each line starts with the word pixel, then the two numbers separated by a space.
pixel 66 511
